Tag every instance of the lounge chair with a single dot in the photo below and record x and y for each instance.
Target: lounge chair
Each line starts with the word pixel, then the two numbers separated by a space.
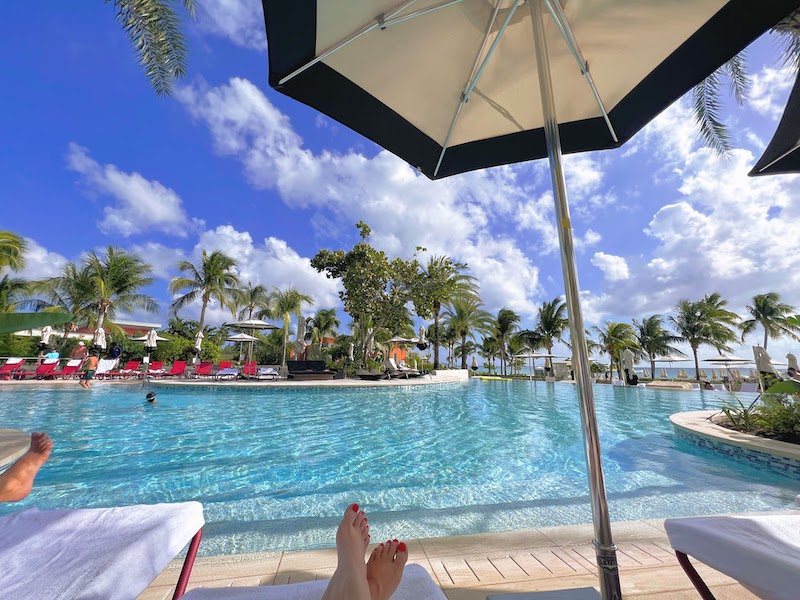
pixel 371 375
pixel 178 369
pixel 226 364
pixel 416 584
pixel 227 373
pixel 682 374
pixel 617 382
pixel 109 553
pixel 249 369
pixel 204 369
pixel 267 373
pixel 702 373
pixel 662 373
pixel 131 369
pixel 11 366
pixel 395 371
pixel 714 374
pixel 404 368
pixel 305 370
pixel 43 370
pixel 645 374
pixel 695 386
pixel 719 387
pixel 156 369
pixel 70 369
pixel 105 366
pixel 761 552
pixel 749 388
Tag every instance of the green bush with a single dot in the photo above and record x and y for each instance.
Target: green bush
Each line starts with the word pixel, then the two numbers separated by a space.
pixel 780 415
pixel 17 345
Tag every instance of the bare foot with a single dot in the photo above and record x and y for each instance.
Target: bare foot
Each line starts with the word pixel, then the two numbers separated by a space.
pixel 16 483
pixel 349 582
pixel 385 569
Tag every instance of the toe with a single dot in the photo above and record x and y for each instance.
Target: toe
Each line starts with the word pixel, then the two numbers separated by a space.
pixel 402 553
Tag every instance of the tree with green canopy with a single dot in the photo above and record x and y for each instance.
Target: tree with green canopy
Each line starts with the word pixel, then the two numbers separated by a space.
pixel 252 299
pixel 214 278
pixel 773 315
pixel 506 324
pixel 655 340
pixel 375 287
pixel 323 324
pixel 466 318
pixel 615 337
pixel 551 324
pixel 489 349
pixel 442 281
pixel 285 304
pixel 12 251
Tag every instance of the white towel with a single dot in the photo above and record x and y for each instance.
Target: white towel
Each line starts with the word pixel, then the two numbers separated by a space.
pixel 74 362
pixel 415 585
pixel 762 553
pixel 91 554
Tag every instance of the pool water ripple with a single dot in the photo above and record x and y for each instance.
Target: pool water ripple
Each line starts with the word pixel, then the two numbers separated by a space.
pixel 275 467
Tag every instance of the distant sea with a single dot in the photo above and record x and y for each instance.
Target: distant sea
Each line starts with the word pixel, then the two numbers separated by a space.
pixel 672 372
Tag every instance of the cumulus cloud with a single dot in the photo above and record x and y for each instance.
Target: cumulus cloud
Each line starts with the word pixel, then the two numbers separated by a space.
pixel 141 205
pixel 41 262
pixel 163 259
pixel 769 90
pixel 614 268
pixel 403 208
pixel 239 21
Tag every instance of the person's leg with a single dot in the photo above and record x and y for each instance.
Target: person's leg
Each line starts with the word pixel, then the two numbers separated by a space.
pixel 349 582
pixel 16 483
pixel 385 569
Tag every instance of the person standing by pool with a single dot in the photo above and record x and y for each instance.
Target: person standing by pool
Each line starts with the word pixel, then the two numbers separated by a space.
pixel 90 367
pixel 16 482
pixel 79 351
pixel 355 580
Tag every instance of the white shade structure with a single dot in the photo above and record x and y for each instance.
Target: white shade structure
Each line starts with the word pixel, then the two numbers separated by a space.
pixel 241 337
pixel 671 359
pixel 453 86
pixel 150 339
pixel 254 324
pixel 727 359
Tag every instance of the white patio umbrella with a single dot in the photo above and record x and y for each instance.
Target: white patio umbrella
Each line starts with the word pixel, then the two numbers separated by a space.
pixel 198 344
pixel 792 361
pixel 251 325
pixel 532 356
pixel 457 85
pixel 627 363
pixel 350 352
pixel 99 338
pixel 241 338
pixel 150 339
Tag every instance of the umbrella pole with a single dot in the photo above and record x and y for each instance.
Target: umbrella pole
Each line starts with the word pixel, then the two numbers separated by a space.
pixel 604 546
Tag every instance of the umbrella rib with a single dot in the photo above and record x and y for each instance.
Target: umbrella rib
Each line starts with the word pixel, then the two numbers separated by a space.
pixel 557 12
pixel 782 156
pixel 476 72
pixel 377 22
pixel 388 22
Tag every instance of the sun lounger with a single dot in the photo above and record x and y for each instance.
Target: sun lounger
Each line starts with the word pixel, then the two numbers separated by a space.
pixel 302 370
pixel 662 373
pixel 404 368
pixel 204 369
pixel 761 552
pixel 105 366
pixel 11 366
pixel 156 369
pixel 395 371
pixel 719 387
pixel 617 382
pixel 267 373
pixel 749 388
pixel 70 369
pixel 227 373
pixel 46 368
pixel 415 585
pixel 702 374
pixel 695 386
pixel 178 369
pixel 131 369
pixel 249 369
pixel 371 374
pixel 109 553
pixel 226 364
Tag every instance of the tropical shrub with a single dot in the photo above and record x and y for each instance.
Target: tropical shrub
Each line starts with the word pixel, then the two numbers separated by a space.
pixel 779 416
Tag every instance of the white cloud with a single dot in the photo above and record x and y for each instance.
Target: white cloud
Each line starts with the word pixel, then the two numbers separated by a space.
pixel 403 208
pixel 142 205
pixel 240 21
pixel 162 258
pixel 769 90
pixel 614 268
pixel 40 262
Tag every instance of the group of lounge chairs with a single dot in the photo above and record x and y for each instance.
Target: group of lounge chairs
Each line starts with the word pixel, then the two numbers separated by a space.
pixel 392 369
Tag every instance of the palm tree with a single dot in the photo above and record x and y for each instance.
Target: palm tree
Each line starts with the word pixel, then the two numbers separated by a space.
pixel 443 282
pixel 324 324
pixel 768 311
pixel 489 349
pixel 68 292
pixel 706 94
pixel 467 318
pixel 285 304
pixel 613 339
pixel 213 279
pixel 251 299
pixel 506 323
pixel 153 28
pixel 552 323
pixel 654 340
pixel 704 322
pixel 14 293
pixel 12 251
pixel 114 283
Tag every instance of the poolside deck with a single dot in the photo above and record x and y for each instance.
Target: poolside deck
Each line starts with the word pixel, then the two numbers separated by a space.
pixel 471 567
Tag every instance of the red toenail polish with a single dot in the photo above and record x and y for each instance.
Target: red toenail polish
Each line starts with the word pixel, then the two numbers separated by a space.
pixel 355 507
pixel 394 540
pixel 402 547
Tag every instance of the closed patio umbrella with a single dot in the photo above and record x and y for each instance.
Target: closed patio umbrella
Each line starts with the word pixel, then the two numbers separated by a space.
pixel 99 339
pixel 47 333
pixel 456 85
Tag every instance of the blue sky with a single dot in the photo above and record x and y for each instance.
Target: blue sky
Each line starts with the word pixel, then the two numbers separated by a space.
pixel 91 157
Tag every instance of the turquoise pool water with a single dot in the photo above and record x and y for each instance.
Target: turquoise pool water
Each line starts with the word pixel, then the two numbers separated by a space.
pixel 274 468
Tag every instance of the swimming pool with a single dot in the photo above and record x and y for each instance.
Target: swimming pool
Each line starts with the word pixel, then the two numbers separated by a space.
pixel 275 467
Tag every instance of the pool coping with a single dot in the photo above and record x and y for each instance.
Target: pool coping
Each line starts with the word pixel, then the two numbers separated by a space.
pixel 699 424
pixel 441 377
pixel 13 444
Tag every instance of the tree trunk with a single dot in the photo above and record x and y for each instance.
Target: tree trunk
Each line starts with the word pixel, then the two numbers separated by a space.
pixel 202 316
pixel 502 356
pixel 696 364
pixel 436 308
pixel 285 341
pixel 653 366
pixel 548 362
pixel 464 351
pixel 766 337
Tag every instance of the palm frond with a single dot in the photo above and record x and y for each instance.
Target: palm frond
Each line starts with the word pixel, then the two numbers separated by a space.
pixel 706 114
pixel 738 78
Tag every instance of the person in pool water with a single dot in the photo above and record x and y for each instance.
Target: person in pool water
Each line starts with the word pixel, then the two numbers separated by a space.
pixel 151 398
pixel 90 366
pixel 17 481
pixel 354 579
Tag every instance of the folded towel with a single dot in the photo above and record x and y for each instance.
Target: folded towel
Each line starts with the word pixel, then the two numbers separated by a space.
pixel 762 553
pixel 415 585
pixel 267 371
pixel 99 553
pixel 74 362
pixel 228 371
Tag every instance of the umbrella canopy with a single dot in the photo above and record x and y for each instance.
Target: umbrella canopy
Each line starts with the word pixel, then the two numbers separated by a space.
pixel 456 85
pixel 398 339
pixel 241 337
pixel 150 339
pixel 254 324
pixel 783 152
pixel 727 359
pixel 99 338
pixel 426 76
pixel 671 359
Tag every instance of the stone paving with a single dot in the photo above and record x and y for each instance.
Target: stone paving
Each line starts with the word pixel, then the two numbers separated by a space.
pixel 473 566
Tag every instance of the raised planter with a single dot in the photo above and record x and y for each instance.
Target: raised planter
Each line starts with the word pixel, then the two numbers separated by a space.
pixel 696 428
